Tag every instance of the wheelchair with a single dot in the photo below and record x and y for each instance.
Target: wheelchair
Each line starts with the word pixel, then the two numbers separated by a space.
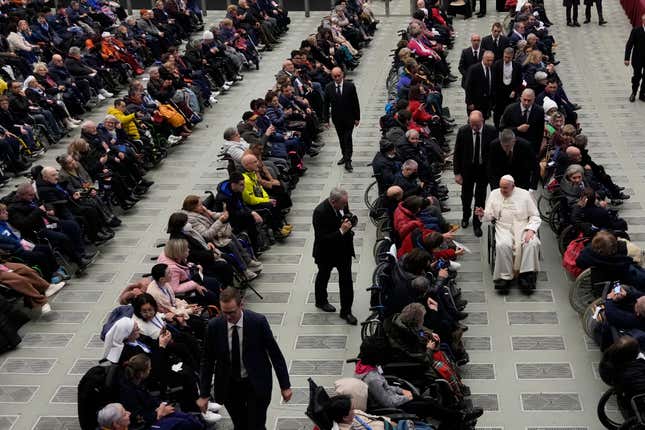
pixel 631 409
pixel 374 202
pixel 492 249
pixel 588 286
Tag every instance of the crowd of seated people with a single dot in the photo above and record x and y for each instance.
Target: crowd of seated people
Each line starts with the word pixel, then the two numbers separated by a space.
pixel 154 337
pixel 59 64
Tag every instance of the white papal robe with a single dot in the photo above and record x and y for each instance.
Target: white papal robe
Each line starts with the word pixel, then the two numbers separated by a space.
pixel 513 216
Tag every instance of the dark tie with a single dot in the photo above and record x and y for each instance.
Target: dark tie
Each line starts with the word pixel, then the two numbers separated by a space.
pixel 338 90
pixel 476 158
pixel 235 355
pixel 476 53
pixel 487 75
pixel 497 43
pixel 525 115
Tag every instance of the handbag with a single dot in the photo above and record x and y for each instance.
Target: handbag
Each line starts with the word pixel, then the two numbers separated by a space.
pixel 571 254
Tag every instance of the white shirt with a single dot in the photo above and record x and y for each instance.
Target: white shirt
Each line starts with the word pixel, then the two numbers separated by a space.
pixel 507 73
pixel 240 331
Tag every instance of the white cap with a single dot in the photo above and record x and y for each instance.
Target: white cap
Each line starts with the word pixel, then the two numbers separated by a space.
pixel 508 178
pixel 208 35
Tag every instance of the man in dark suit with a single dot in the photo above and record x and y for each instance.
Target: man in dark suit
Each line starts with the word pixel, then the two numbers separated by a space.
pixel 479 85
pixel 469 56
pixel 507 83
pixel 519 30
pixel 495 41
pixel 240 347
pixel 526 119
pixel 341 96
pixel 510 155
pixel 334 247
pixel 635 49
pixel 469 165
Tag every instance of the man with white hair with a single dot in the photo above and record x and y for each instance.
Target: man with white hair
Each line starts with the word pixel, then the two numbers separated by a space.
pixel 517 247
pixel 113 416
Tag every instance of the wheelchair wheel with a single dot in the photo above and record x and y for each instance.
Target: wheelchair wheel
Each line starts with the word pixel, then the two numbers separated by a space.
pixel 367 196
pixel 555 219
pixel 601 410
pixel 544 205
pixel 381 247
pixel 569 234
pixel 491 248
pixel 581 293
pixel 372 326
pixel 383 228
pixel 589 324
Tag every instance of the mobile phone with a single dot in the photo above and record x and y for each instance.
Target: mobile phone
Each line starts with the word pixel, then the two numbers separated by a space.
pixel 617 289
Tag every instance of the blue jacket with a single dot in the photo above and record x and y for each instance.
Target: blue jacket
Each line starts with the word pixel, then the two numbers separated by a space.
pixel 8 239
pixel 621 315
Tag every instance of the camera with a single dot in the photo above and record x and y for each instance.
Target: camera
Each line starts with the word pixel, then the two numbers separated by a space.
pixel 353 219
pixel 442 264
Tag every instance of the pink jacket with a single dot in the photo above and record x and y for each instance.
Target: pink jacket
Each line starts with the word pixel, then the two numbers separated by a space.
pixel 179 275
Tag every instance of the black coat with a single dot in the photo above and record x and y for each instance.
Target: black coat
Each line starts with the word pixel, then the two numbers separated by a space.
pixel 78 68
pixel 344 109
pixel 488 44
pixel 58 197
pixel 385 168
pixel 466 60
pixel 635 47
pixel 259 351
pixel 28 218
pixel 464 146
pixel 520 165
pixel 512 118
pixel 479 90
pixel 329 244
pixel 500 90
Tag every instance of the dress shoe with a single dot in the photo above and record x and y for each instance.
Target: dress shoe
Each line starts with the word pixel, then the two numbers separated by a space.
pixel 632 97
pixel 114 222
pixel 623 196
pixel 576 24
pixel 472 414
pixel 464 223
pixel 641 97
pixel 602 22
pixel 312 152
pixel 348 166
pixel 478 231
pixel 569 24
pixel 461 315
pixel 586 21
pixel 341 161
pixel 327 307
pixel 461 304
pixel 146 183
pixel 501 284
pixel 481 15
pixel 351 319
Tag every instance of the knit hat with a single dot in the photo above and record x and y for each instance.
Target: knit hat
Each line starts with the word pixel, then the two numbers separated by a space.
pixel 549 104
pixel 208 35
pixel 106 34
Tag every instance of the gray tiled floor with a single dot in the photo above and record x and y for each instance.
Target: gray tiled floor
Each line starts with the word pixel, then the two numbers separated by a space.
pixel 539 341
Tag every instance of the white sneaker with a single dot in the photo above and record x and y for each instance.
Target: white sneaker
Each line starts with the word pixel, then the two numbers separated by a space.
pixel 211 417
pixel 100 97
pixel 213 100
pixel 215 93
pixel 173 140
pixel 70 124
pixel 229 83
pixel 255 266
pixel 54 288
pixel 214 407
pixel 226 87
pixel 106 93
pixel 75 121
pixel 45 309
pixel 250 275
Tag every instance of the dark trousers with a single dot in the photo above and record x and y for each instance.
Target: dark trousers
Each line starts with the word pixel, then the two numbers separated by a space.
pixel 500 105
pixel 345 284
pixel 639 72
pixel 475 184
pixel 247 409
pixel 598 9
pixel 68 238
pixel 482 6
pixel 345 139
pixel 575 13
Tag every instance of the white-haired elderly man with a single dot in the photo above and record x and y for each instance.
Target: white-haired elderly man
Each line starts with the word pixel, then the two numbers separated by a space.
pixel 517 246
pixel 113 417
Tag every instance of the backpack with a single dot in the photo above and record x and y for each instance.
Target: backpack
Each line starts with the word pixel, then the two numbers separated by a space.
pixel 571 254
pixel 97 388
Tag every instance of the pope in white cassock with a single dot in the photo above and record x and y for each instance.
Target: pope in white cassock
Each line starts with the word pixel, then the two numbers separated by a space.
pixel 517 246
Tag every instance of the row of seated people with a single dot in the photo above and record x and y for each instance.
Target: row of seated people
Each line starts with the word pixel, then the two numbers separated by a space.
pixel 59 64
pixel 213 251
pixel 56 223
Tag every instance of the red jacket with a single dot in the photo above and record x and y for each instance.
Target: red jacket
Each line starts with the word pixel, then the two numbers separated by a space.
pixel 418 111
pixel 407 246
pixel 405 221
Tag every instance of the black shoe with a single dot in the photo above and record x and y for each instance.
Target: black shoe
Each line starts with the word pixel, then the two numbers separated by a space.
pixel 341 161
pixel 472 414
pixel 312 152
pixel 576 24
pixel 126 205
pixel 327 307
pixel 623 196
pixel 481 15
pixel 464 223
pixel 478 231
pixel 632 97
pixel 501 284
pixel 146 183
pixel 461 304
pixel 348 166
pixel 641 97
pixel 351 319
pixel 586 21
pixel 569 24
pixel 602 22
pixel 461 315
pixel 114 222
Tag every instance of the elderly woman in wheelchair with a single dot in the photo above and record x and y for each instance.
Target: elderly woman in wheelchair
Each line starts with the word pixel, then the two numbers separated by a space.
pixel 623 367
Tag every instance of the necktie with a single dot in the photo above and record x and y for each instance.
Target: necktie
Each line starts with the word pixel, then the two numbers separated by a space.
pixel 497 43
pixel 477 158
pixel 338 90
pixel 235 355
pixel 476 53
pixel 487 75
pixel 525 114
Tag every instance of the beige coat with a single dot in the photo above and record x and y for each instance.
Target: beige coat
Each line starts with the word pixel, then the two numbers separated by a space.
pixel 212 229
